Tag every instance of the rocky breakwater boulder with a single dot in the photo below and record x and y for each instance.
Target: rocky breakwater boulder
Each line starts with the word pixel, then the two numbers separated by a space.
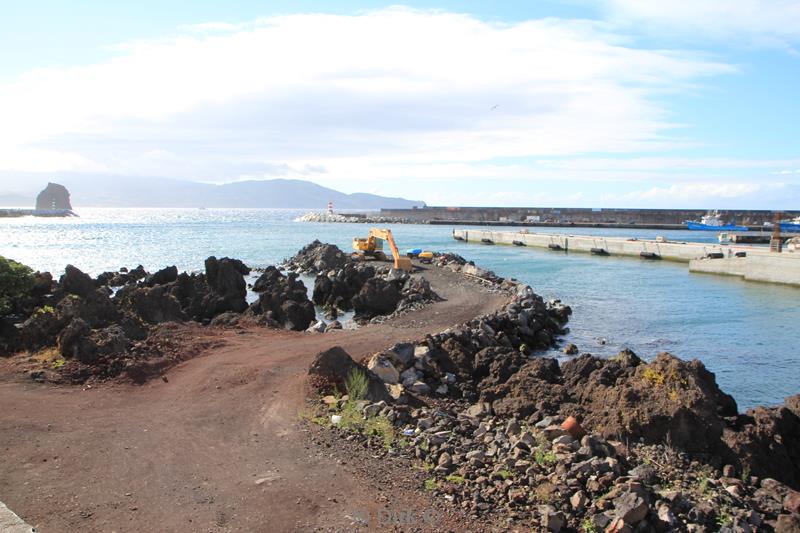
pixel 318 257
pixel 282 301
pixel 493 347
pixel 372 290
pixel 334 290
pixel 480 354
pixel 378 296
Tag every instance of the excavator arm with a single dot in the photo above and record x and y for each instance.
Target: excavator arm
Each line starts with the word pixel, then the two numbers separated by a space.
pixel 400 262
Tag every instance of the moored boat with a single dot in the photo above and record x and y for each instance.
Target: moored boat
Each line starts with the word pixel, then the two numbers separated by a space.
pixel 712 222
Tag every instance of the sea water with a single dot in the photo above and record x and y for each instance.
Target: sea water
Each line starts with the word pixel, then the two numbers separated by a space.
pixel 746 333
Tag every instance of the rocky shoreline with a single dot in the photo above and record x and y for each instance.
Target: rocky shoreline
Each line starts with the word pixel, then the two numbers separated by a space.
pixel 120 323
pixel 520 441
pixel 515 440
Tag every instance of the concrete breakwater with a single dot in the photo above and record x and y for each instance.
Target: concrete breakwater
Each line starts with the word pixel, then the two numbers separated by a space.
pixel 752 263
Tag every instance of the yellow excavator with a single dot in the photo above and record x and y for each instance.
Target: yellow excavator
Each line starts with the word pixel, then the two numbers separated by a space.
pixel 372 246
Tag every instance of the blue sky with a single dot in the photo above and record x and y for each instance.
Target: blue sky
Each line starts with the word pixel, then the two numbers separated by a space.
pixel 609 103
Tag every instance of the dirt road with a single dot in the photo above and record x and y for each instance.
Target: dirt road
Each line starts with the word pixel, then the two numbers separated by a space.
pixel 218 447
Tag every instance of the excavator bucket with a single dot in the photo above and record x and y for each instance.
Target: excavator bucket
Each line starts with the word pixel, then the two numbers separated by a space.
pixel 403 263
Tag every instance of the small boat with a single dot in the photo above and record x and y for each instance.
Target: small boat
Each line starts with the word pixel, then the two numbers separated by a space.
pixel 487 241
pixel 649 255
pixel 793 226
pixel 712 222
pixel 518 243
pixel 599 251
pixel 554 246
pixel 413 252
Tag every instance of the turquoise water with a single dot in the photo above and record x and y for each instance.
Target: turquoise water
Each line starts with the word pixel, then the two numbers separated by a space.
pixel 744 332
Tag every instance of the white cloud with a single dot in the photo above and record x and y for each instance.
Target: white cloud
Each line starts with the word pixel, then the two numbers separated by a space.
pixel 708 195
pixel 760 22
pixel 371 94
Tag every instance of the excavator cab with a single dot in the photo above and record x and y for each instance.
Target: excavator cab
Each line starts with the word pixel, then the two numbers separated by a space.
pixel 372 246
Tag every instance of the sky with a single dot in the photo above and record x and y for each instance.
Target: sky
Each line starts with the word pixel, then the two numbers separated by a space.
pixel 612 103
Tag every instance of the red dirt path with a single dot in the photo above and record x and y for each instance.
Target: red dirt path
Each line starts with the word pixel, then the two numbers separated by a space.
pixel 219 447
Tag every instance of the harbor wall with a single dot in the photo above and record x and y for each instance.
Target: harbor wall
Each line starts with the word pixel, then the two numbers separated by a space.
pixel 758 263
pixel 770 268
pixel 578 215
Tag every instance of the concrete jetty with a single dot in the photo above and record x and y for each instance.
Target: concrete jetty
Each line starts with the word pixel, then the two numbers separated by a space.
pixel 769 267
pixel 752 263
pixel 598 245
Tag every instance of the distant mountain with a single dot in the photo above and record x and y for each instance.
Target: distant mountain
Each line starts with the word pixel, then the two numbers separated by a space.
pixel 91 191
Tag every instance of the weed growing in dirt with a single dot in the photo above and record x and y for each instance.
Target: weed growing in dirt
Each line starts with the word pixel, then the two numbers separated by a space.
pixel 543 458
pixel 587 526
pixel 504 473
pixel 431 484
pixel 44 310
pixel 356 384
pixel 380 426
pixel 745 474
pixel 315 418
pixel 58 363
pixel 724 518
pixel 456 480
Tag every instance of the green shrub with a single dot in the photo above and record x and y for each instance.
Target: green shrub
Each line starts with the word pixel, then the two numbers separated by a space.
pixel 356 384
pixel 16 280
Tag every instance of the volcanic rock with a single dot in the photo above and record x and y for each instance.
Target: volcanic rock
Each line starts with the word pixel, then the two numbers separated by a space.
pixel 225 277
pixel 76 282
pixel 376 297
pixel 331 368
pixel 153 304
pixel 318 257
pixel 53 197
pixel 284 300
pixel 163 276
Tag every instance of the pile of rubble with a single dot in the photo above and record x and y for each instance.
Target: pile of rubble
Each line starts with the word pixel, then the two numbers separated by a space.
pixel 537 467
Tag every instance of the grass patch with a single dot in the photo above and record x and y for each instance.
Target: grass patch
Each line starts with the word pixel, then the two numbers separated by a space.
pixel 379 426
pixel 44 310
pixel 724 517
pixel 505 473
pixel 58 363
pixel 431 484
pixel 543 458
pixel 356 384
pixel 587 526
pixel 456 479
